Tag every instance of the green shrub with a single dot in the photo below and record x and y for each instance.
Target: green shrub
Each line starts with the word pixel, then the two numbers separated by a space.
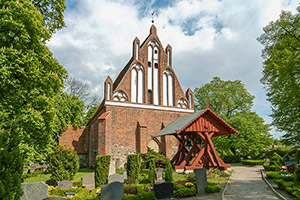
pixel 297 156
pixel 168 171
pixel 11 163
pixel 297 176
pixel 191 177
pixel 129 189
pixel 280 175
pixel 271 168
pixel 102 170
pixel 177 186
pixel 151 172
pixel 77 183
pixel 141 196
pixel 61 192
pixel 276 160
pixel 185 192
pixel 133 168
pixel 33 174
pixel 253 162
pixel 212 188
pixel 63 163
pixel 231 158
pixel 158 158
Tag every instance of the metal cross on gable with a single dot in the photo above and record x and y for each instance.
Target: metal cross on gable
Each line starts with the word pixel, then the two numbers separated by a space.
pixel 152 14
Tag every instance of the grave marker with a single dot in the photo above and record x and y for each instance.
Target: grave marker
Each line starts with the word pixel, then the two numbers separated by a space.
pixel 34 191
pixel 201 180
pixel 116 178
pixel 164 190
pixel 88 181
pixel 112 191
pixel 65 184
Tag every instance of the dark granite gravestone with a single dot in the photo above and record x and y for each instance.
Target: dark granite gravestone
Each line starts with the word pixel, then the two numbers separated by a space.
pixel 164 190
pixel 88 181
pixel 112 191
pixel 201 180
pixel 34 191
pixel 55 198
pixel 51 183
pixel 65 184
pixel 291 168
pixel 116 178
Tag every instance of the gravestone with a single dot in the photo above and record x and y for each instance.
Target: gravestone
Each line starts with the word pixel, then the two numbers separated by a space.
pixel 164 190
pixel 159 177
pixel 201 180
pixel 51 182
pixel 34 191
pixel 267 161
pixel 116 178
pixel 88 181
pixel 55 198
pixel 112 191
pixel 112 168
pixel 125 174
pixel 65 184
pixel 291 168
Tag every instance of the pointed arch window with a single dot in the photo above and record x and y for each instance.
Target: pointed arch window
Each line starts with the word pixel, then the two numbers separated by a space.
pixel 168 97
pixel 133 85
pixel 137 84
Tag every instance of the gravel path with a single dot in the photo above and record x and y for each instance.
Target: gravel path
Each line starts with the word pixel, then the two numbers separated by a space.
pixel 246 183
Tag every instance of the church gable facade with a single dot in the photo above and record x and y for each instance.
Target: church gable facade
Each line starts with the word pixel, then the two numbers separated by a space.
pixel 145 97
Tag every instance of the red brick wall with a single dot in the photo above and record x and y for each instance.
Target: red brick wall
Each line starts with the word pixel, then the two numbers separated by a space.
pixel 73 138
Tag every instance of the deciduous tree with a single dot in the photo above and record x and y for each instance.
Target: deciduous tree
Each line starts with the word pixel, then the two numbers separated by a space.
pixel 281 73
pixel 233 103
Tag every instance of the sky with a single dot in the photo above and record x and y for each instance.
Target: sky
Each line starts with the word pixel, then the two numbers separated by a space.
pixel 208 37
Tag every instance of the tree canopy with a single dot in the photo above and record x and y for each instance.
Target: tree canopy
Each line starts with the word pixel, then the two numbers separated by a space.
pixel 281 73
pixel 233 103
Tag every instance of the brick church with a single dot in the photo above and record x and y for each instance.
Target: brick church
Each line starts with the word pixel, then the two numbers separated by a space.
pixel 144 98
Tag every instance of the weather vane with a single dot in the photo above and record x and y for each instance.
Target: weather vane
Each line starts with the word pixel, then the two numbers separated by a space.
pixel 153 17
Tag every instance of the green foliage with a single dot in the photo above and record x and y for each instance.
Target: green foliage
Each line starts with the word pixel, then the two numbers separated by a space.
pixel 271 167
pixel 276 160
pixel 158 158
pixel 30 77
pixel 81 193
pixel 102 170
pixel 282 151
pixel 77 183
pixel 212 188
pixel 280 175
pixel 11 162
pixel 141 196
pixel 281 75
pixel 181 191
pixel 63 163
pixel 297 176
pixel 151 172
pixel 232 158
pixel 168 171
pixel 133 168
pixel 297 156
pixel 253 162
pixel 233 103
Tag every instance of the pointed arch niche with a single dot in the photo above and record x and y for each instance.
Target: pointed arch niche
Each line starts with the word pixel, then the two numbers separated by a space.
pixel 168 82
pixel 137 83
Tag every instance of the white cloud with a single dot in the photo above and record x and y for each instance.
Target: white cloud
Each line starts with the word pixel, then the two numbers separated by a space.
pixel 97 41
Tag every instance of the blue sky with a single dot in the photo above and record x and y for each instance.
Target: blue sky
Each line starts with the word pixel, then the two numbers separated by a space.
pixel 208 37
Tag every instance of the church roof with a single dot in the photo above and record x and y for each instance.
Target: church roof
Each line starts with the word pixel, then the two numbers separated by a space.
pixel 122 74
pixel 199 122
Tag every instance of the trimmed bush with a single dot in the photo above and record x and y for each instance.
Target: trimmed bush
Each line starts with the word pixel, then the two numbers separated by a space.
pixel 185 192
pixel 279 175
pixel 133 168
pixel 151 172
pixel 102 170
pixel 63 163
pixel 276 160
pixel 141 196
pixel 212 188
pixel 77 183
pixel 232 159
pixel 168 171
pixel 271 168
pixel 253 162
pixel 297 176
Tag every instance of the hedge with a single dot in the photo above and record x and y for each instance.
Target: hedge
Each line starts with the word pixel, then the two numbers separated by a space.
pixel 133 168
pixel 168 171
pixel 232 159
pixel 102 170
pixel 279 175
pixel 253 162
pixel 271 168
pixel 141 196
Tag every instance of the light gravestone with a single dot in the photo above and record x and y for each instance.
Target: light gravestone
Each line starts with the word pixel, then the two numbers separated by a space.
pixel 201 180
pixel 164 190
pixel 34 191
pixel 65 184
pixel 125 174
pixel 88 181
pixel 113 191
pixel 159 177
pixel 112 168
pixel 116 178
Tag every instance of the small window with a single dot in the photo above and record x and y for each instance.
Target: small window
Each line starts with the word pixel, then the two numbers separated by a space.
pixel 149 64
pixel 156 65
pixel 149 97
pixel 155 51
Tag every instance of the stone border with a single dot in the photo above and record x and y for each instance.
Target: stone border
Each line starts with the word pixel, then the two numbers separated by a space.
pixel 223 193
pixel 271 187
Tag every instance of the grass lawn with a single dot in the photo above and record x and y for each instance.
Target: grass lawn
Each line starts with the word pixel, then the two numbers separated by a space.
pixel 44 177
